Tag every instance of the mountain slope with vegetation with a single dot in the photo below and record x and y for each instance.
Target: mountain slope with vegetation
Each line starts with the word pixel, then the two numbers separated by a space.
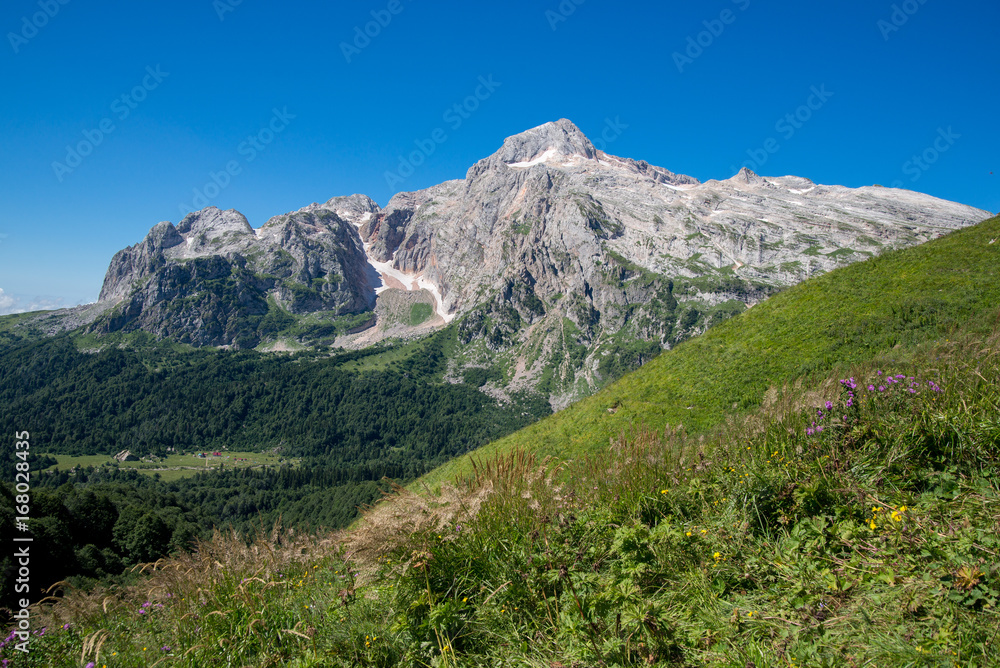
pixel 852 519
pixel 336 424
pixel 563 267
pixel 886 305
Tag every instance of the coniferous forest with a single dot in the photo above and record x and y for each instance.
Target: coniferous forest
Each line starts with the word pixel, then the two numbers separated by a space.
pixel 346 424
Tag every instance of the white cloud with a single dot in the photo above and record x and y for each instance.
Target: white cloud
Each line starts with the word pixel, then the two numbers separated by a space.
pixel 10 304
pixel 6 302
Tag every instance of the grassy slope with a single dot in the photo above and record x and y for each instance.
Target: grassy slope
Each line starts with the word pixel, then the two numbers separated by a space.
pixel 849 315
pixel 874 542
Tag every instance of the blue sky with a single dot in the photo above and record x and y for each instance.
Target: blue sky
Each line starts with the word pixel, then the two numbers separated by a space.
pixel 299 105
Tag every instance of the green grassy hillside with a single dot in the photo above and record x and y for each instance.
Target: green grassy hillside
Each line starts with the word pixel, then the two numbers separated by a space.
pixel 851 523
pixel 883 307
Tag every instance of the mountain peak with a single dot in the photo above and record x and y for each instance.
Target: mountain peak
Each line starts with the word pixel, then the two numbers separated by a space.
pixel 747 175
pixel 557 138
pixel 213 222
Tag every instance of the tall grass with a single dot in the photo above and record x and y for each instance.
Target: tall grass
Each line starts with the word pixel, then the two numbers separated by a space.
pixel 812 513
pixel 855 527
pixel 884 307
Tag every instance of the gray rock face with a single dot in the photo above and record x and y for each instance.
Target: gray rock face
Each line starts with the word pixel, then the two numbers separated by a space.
pixel 208 281
pixel 549 231
pixel 563 265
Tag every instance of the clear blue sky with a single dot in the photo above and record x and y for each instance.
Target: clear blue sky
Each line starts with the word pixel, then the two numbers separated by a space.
pixel 927 74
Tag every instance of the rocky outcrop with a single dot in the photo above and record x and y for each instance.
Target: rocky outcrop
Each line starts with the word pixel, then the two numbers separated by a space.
pixel 552 246
pixel 562 265
pixel 213 279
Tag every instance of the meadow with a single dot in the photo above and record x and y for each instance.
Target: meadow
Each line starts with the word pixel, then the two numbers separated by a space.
pixel 175 466
pixel 813 483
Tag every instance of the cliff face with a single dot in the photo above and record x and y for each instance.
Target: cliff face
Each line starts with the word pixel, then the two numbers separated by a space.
pixel 563 266
pixel 213 279
pixel 569 265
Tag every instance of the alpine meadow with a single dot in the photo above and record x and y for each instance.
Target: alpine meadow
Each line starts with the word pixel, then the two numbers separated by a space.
pixel 565 335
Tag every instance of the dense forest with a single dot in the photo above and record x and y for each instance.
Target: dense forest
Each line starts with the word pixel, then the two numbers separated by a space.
pixel 351 422
pixel 401 418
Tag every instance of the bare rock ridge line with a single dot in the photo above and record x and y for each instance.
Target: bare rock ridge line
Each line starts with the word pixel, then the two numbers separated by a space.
pixel 552 256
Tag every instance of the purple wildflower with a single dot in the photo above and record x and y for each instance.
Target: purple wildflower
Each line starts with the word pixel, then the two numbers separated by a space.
pixel 142 611
pixel 829 405
pixel 881 388
pixel 878 373
pixel 90 665
pixel 165 648
pixel 66 626
pixel 871 388
pixel 809 431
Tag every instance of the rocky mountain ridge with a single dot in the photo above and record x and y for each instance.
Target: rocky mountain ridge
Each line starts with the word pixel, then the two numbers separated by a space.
pixel 207 280
pixel 563 266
